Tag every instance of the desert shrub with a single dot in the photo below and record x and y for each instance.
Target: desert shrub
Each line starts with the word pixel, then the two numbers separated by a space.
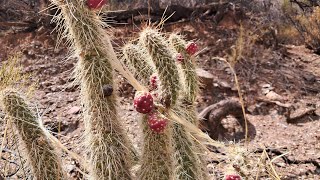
pixel 304 16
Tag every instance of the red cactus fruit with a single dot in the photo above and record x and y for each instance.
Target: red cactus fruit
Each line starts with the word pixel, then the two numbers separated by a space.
pixel 143 102
pixel 153 82
pixel 96 4
pixel 191 48
pixel 157 123
pixel 233 177
pixel 179 57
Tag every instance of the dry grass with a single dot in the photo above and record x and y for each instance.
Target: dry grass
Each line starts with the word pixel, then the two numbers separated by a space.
pixel 240 160
pixel 288 34
pixel 11 75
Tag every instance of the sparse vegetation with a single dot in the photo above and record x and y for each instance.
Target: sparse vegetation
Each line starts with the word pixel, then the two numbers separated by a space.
pixel 304 17
pixel 212 96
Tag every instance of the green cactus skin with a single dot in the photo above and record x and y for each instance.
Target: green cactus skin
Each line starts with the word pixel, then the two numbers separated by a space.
pixel 164 61
pixel 41 156
pixel 190 164
pixel 105 138
pixel 108 147
pixel 139 59
pixel 189 69
pixel 156 161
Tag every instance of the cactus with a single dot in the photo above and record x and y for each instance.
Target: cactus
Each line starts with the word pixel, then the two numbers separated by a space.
pixel 168 74
pixel 190 164
pixel 157 160
pixel 163 59
pixel 108 147
pixel 41 156
pixel 138 58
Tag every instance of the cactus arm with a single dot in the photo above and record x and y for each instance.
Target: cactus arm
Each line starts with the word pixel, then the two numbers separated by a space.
pixel 188 67
pixel 40 154
pixel 190 164
pixel 163 59
pixel 156 161
pixel 138 59
pixel 108 147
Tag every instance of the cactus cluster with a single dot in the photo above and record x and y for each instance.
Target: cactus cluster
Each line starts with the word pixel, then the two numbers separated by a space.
pixel 169 152
pixel 165 65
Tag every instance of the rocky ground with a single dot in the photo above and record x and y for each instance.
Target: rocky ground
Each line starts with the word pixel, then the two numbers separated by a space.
pixel 280 88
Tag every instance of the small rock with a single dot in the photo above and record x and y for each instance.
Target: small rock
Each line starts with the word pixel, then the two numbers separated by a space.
pixel 265 91
pixel 55 88
pixel 274 96
pixel 299 113
pixel 71 100
pixel 266 86
pixel 225 84
pixel 205 77
pixel 309 77
pixel 281 164
pixel 74 110
pixel 252 108
pixel 45 84
pixel 317 111
pixel 228 71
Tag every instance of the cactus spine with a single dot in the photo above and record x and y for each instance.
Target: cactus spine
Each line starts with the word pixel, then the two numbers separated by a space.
pixel 106 141
pixel 140 62
pixel 163 59
pixel 157 159
pixel 41 156
pixel 190 164
pixel 156 162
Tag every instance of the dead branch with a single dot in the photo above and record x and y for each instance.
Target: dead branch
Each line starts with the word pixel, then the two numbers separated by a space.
pixel 178 12
pixel 286 159
pixel 212 116
pixel 221 109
